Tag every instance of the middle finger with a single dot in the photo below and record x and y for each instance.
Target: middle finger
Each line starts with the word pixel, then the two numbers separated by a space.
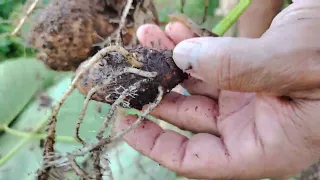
pixel 152 36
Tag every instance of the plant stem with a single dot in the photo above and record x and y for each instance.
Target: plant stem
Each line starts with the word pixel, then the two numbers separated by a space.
pixel 33 135
pixel 27 137
pixel 16 148
pixel 24 18
pixel 66 139
pixel 225 24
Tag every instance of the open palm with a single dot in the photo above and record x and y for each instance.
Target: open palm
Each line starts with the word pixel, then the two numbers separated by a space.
pixel 265 121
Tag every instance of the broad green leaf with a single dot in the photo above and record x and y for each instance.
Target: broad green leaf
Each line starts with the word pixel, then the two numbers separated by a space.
pixel 127 164
pixel 24 162
pixel 7 6
pixel 122 159
pixel 194 9
pixel 29 153
pixel 213 5
pixel 165 7
pixel 20 79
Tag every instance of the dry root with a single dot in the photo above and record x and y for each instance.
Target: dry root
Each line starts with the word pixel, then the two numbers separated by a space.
pixel 156 66
pixel 24 18
pixel 123 77
pixel 49 144
pixel 121 84
pixel 96 149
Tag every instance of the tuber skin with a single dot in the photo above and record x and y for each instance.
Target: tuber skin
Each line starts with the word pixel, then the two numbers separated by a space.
pixel 152 60
pixel 66 32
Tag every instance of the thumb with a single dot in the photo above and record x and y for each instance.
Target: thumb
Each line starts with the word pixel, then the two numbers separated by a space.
pixel 250 65
pixel 226 62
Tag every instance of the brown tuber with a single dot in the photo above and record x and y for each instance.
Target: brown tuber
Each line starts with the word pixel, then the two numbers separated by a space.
pixel 147 60
pixel 124 74
pixel 66 32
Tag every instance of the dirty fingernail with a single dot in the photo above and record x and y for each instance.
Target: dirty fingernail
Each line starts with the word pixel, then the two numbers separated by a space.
pixel 186 55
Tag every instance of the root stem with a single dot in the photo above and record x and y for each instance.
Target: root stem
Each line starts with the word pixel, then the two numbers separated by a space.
pixel 24 18
pixel 50 141
pixel 123 20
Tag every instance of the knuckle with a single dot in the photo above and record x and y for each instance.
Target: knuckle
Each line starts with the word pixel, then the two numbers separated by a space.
pixel 224 66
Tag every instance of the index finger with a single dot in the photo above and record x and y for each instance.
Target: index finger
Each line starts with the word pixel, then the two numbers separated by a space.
pixel 152 36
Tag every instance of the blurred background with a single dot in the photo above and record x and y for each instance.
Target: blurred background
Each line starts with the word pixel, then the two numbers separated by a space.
pixel 28 90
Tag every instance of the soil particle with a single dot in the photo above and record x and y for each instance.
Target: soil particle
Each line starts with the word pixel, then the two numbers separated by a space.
pixel 45 101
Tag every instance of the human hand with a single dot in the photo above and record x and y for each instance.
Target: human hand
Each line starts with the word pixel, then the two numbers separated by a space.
pixel 254 103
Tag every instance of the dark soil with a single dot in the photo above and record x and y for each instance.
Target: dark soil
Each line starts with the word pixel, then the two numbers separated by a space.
pixel 169 76
pixel 312 172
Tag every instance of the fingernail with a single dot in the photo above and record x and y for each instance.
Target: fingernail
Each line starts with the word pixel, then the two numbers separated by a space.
pixel 186 55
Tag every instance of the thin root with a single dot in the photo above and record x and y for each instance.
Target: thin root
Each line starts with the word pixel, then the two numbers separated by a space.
pixel 105 164
pixel 83 113
pixel 49 144
pixel 133 60
pixel 123 20
pixel 96 165
pixel 85 106
pixel 134 125
pixel 107 140
pixel 24 18
pixel 116 104
pixel 141 72
pixel 70 159
pixel 80 172
pixel 111 114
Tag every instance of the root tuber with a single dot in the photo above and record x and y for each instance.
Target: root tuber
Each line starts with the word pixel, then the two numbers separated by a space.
pixel 66 32
pixel 157 69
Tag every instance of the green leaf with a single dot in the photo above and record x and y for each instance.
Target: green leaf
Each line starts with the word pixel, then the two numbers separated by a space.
pixel 7 6
pixel 126 163
pixel 213 5
pixel 122 159
pixel 165 7
pixel 20 80
pixel 194 9
pixel 24 162
pixel 25 150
